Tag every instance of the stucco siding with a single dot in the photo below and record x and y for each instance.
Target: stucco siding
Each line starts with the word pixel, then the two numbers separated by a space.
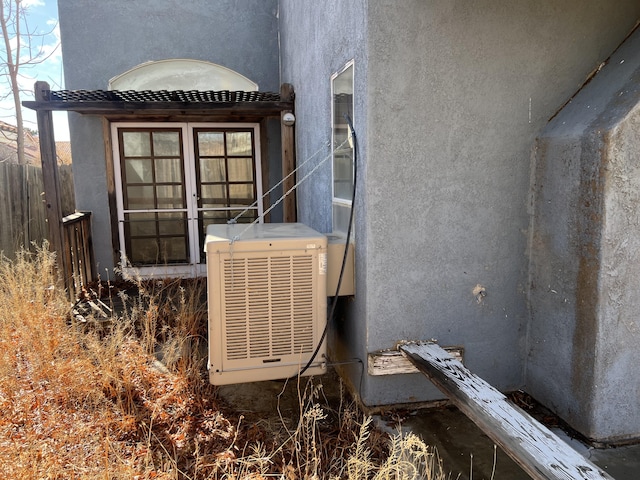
pixel 103 39
pixel 454 95
pixel 584 256
pixel 317 39
pixel 460 93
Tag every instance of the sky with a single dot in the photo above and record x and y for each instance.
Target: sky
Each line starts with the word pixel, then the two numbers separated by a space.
pixel 42 19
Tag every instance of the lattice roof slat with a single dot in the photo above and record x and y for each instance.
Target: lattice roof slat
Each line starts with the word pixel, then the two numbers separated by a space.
pixel 161 96
pixel 152 101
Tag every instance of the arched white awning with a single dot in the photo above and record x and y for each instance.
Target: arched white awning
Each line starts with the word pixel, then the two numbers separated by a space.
pixel 181 74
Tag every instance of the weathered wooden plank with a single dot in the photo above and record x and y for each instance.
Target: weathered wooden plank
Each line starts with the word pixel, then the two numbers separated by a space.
pixel 50 177
pixel 67 194
pixel 79 250
pixel 6 213
pixel 530 444
pixel 22 209
pixel 266 175
pixel 87 251
pixel 393 362
pixel 37 231
pixel 111 193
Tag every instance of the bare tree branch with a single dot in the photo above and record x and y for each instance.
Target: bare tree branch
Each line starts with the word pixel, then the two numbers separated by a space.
pixel 24 48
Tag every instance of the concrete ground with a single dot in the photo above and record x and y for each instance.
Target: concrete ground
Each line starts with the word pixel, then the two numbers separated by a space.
pixel 465 450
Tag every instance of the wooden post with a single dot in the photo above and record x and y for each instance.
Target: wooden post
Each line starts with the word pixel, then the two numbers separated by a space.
pixel 288 157
pixel 50 176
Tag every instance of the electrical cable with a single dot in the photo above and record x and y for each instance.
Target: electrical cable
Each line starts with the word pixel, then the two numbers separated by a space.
pixel 353 139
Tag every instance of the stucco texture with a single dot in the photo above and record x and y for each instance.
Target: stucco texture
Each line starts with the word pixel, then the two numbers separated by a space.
pixel 460 95
pixel 584 331
pixel 453 96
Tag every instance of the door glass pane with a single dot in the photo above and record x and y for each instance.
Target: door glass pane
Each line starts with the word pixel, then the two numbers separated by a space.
pixel 213 216
pixel 136 144
pixel 212 170
pixel 172 223
pixel 141 224
pixel 213 195
pixel 239 143
pixel 156 238
pixel 143 251
pixel 166 144
pixel 170 196
pixel 139 198
pixel 240 170
pixel 210 144
pixel 138 170
pixel 241 194
pixel 158 251
pixel 168 170
pixel 173 250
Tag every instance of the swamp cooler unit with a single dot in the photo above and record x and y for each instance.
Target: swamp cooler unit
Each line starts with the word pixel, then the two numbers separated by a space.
pixel 267 300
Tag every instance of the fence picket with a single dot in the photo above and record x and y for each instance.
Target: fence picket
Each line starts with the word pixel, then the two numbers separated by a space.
pixel 22 209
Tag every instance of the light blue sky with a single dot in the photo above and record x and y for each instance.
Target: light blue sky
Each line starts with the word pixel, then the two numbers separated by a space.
pixel 42 19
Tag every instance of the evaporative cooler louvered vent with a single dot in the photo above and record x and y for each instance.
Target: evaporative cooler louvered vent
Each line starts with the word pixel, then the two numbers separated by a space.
pixel 267 301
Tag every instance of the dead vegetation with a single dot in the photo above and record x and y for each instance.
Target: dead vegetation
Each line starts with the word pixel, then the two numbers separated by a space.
pixel 91 400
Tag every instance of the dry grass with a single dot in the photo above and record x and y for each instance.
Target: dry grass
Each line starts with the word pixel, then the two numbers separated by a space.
pixel 92 401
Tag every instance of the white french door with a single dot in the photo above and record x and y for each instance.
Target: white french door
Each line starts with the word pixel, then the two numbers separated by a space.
pixel 174 179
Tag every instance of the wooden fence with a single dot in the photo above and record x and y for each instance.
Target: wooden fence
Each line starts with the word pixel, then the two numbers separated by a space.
pixel 22 208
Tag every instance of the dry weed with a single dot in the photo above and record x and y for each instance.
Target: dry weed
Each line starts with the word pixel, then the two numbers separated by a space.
pixel 91 400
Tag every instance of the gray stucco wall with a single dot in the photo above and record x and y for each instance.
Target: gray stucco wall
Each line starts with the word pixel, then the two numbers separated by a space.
pixel 311 51
pixel 103 39
pixel 586 256
pixel 453 97
pixel 460 94
pixel 449 165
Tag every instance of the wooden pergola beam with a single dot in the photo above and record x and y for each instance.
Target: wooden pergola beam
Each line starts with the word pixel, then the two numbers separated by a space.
pixel 161 108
